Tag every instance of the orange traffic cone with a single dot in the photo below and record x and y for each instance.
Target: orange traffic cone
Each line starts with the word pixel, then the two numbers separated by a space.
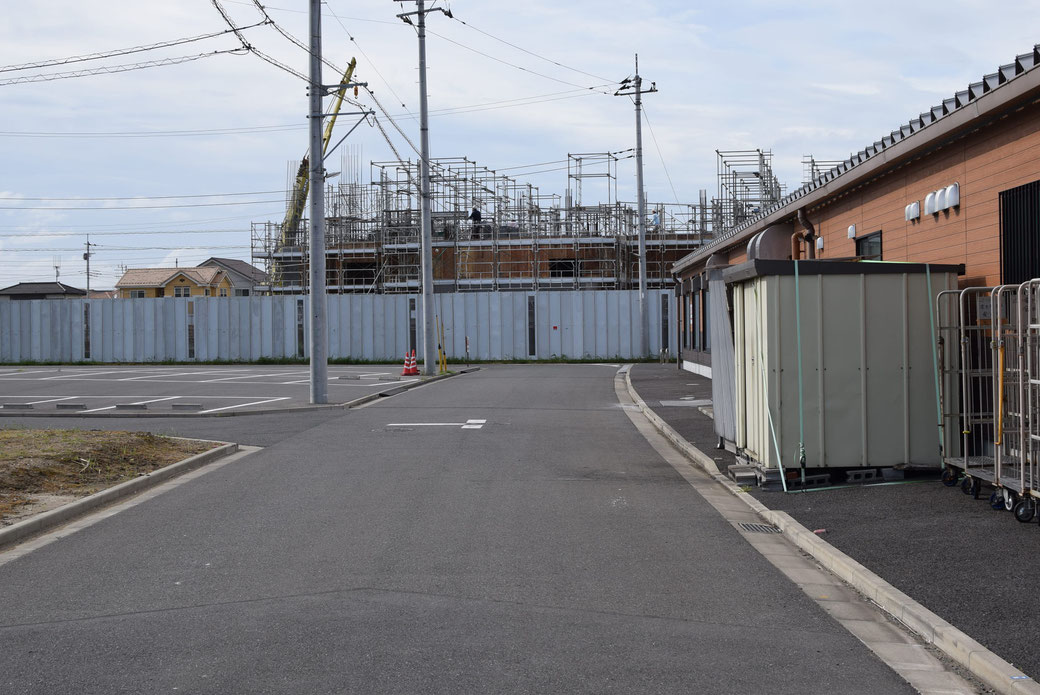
pixel 412 369
pixel 406 370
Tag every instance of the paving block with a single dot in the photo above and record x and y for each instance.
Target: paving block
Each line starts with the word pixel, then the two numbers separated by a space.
pixel 186 406
pixel 355 377
pixel 131 406
pixel 17 406
pixel 71 406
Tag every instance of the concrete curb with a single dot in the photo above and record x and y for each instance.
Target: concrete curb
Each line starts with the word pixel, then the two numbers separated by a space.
pixel 55 517
pixel 242 413
pixel 988 667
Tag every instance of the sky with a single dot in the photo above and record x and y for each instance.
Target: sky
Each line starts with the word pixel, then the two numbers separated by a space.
pixel 170 164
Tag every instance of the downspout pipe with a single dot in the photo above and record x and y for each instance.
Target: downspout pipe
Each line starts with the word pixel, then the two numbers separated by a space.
pixel 810 232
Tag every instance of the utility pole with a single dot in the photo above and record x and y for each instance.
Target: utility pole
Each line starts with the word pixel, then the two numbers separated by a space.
pixel 319 336
pixel 636 90
pixel 425 218
pixel 86 256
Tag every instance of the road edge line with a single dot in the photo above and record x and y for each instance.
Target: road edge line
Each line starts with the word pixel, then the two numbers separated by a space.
pixel 45 521
pixel 993 670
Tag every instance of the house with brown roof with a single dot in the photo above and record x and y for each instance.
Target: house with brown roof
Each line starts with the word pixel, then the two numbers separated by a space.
pixel 141 283
pixel 244 277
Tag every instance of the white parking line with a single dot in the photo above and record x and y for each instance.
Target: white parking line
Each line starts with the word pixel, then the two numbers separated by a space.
pixel 72 375
pixel 249 376
pixel 112 407
pixel 243 405
pixel 162 374
pixel 35 371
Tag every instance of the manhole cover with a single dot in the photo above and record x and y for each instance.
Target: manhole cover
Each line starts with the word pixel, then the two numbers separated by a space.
pixel 758 528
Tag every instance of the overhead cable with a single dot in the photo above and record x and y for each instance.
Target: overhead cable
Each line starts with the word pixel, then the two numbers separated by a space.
pixel 121 51
pixel 112 69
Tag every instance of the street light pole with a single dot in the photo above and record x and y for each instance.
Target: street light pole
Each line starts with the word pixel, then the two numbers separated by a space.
pixel 318 338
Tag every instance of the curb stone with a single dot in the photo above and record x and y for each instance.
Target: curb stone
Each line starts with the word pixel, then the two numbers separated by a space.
pixel 994 671
pixel 56 517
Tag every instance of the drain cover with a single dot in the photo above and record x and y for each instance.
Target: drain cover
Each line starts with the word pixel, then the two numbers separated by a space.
pixel 758 528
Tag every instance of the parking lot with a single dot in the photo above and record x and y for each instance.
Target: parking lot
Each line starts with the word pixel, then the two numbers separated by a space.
pixel 181 390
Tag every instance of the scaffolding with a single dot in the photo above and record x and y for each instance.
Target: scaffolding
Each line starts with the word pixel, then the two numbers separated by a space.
pixel 813 168
pixel 747 186
pixel 490 232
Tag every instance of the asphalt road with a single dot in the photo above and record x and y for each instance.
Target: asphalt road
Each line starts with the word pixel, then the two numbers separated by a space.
pixel 547 549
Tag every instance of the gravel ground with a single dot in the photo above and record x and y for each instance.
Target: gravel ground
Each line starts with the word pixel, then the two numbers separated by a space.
pixel 975 567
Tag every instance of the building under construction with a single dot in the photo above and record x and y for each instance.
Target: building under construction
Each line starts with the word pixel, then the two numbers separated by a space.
pixel 491 231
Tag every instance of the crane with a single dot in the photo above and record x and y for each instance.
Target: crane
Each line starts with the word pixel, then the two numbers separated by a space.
pixel 301 187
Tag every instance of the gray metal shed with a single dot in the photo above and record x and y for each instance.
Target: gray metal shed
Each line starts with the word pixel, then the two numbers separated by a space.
pixel 834 361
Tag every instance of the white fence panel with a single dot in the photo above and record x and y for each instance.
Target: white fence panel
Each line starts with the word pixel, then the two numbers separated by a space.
pixel 600 324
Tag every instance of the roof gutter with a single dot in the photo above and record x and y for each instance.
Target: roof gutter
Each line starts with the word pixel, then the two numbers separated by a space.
pixel 992 105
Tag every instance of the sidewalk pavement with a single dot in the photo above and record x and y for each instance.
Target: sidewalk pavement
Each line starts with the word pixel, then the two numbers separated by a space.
pixel 973 566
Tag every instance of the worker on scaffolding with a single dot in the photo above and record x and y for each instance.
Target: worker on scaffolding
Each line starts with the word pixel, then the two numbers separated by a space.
pixel 474 217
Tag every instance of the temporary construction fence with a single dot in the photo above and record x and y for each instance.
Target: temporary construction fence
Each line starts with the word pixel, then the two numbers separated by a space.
pixel 494 325
pixel 989 376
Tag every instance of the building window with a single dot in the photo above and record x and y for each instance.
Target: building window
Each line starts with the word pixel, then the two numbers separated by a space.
pixel 160 292
pixel 868 247
pixel 136 294
pixel 223 291
pixel 181 291
pixel 242 293
pixel 206 292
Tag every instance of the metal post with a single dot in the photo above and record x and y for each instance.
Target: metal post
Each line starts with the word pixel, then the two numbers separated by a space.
pixel 318 339
pixel 425 220
pixel 644 315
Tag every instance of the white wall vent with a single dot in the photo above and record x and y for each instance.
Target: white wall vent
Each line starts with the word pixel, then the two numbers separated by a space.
pixel 953 195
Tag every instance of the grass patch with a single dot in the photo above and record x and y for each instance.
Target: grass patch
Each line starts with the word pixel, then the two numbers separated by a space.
pixel 39 463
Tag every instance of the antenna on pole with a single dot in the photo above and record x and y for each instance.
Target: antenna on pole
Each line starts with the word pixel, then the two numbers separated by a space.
pixel 634 87
pixel 56 262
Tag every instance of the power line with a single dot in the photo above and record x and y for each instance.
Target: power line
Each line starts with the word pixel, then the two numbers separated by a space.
pixel 88 227
pixel 151 133
pixel 659 155
pixel 123 248
pixel 113 69
pixel 142 207
pixel 514 65
pixel 118 52
pixel 45 234
pixel 158 197
pixel 529 52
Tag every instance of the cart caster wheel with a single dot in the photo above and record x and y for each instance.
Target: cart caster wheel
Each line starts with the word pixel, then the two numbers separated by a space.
pixel 949 477
pixel 996 500
pixel 1010 499
pixel 1024 511
pixel 971 486
pixel 966 485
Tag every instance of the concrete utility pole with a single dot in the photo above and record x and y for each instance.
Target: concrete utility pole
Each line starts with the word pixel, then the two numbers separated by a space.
pixel 634 87
pixel 319 336
pixel 425 217
pixel 86 256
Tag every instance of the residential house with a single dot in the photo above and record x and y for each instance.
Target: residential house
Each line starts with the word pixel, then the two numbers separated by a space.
pixel 243 276
pixel 41 290
pixel 139 283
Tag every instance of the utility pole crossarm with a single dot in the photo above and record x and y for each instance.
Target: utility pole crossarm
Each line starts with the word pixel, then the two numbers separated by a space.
pixel 634 87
